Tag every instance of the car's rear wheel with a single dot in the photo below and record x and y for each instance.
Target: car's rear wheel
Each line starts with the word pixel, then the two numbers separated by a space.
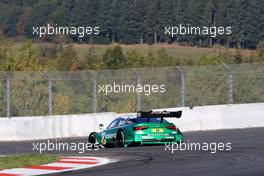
pixel 92 138
pixel 120 139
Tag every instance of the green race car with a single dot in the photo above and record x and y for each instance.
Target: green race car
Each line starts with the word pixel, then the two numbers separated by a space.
pixel 143 128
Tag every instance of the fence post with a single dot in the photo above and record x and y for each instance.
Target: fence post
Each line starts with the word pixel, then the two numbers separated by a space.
pixel 182 85
pixel 138 95
pixel 94 92
pixel 229 84
pixel 138 82
pixel 8 96
pixel 50 95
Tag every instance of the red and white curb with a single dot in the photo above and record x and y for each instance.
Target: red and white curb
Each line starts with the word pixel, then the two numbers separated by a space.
pixel 63 165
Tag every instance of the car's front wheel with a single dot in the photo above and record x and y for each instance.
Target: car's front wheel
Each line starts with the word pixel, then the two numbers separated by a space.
pixel 120 139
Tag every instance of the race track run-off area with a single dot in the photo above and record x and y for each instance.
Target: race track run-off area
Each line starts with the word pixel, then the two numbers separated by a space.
pixel 64 164
pixel 246 157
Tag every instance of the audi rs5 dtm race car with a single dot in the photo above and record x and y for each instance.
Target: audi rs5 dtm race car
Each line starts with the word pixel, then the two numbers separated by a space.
pixel 143 128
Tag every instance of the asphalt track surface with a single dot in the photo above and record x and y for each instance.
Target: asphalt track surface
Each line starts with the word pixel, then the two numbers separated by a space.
pixel 246 157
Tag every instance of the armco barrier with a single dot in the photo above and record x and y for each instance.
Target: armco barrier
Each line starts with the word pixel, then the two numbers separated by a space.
pixel 30 128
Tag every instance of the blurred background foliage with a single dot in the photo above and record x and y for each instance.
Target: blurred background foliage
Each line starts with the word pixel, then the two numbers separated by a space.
pixel 30 66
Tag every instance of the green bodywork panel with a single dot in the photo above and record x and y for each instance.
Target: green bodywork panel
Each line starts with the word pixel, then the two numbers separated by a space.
pixel 157 133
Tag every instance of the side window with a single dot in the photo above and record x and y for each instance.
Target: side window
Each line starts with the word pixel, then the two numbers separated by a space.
pixel 113 124
pixel 121 122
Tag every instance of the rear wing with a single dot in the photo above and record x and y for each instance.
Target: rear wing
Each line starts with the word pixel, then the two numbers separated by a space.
pixel 161 114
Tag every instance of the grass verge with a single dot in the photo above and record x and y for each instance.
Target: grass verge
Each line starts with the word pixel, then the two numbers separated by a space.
pixel 16 161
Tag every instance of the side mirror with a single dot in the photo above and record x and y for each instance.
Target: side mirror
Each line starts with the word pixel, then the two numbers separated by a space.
pixel 101 126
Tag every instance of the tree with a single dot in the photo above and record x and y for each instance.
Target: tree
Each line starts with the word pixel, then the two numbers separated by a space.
pixel 114 58
pixel 166 19
pixel 209 19
pixel 195 18
pixel 10 20
pixel 135 29
pixel 27 58
pixel 134 21
pixel 134 59
pixel 151 23
pixel 67 59
pixel 123 22
pixel 251 24
pixel 260 49
pixel 103 20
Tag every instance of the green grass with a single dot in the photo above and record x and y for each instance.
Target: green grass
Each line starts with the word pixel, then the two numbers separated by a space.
pixel 178 52
pixel 181 55
pixel 24 160
pixel 174 50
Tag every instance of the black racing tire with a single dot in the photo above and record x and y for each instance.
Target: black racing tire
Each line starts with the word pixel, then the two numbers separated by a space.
pixel 92 138
pixel 120 139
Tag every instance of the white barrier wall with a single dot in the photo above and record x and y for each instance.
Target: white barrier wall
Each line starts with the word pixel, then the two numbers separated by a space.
pixel 243 116
pixel 196 119
pixel 30 128
pixel 219 117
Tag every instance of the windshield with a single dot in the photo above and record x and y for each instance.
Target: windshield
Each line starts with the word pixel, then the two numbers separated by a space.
pixel 143 120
